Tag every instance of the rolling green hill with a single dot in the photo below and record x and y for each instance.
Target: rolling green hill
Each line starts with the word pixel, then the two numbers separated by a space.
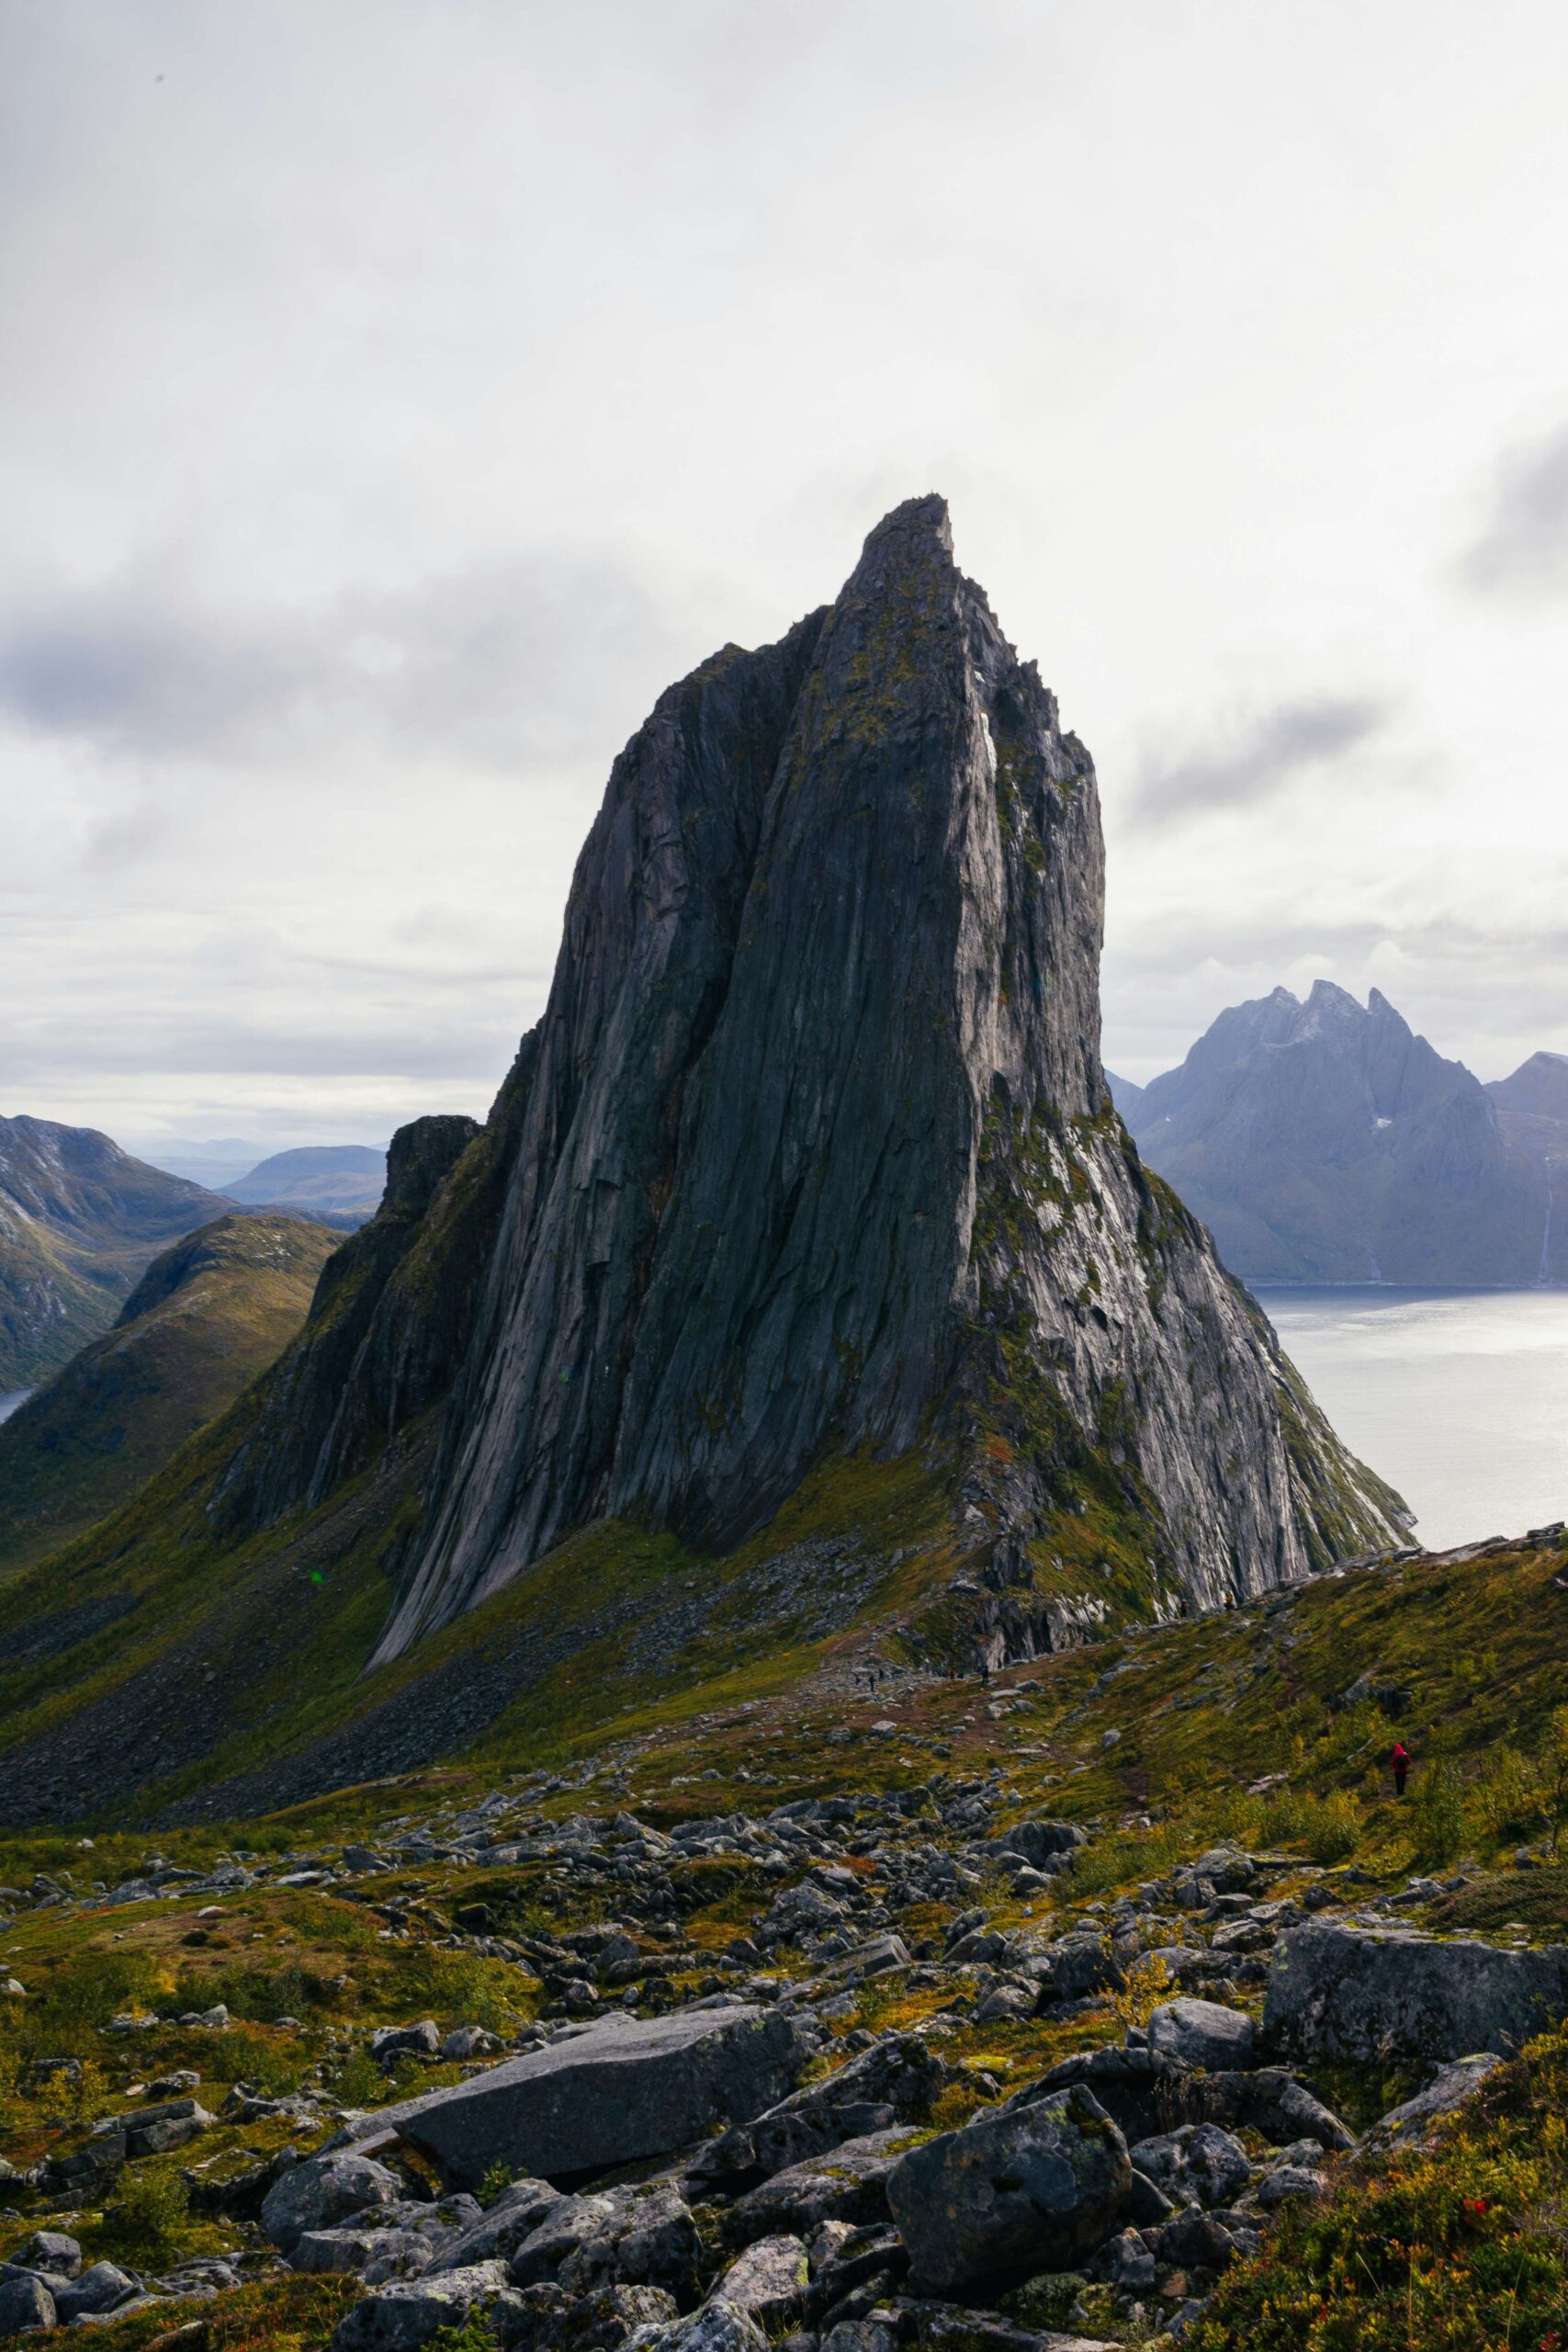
pixel 80 1221
pixel 208 1315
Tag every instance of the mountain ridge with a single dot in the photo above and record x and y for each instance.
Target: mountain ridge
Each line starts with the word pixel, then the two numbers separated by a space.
pixel 1326 1142
pixel 211 1312
pixel 80 1221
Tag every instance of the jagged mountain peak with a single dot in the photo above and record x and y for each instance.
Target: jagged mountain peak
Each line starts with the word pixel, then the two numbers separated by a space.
pixel 811 1152
pixel 1329 1142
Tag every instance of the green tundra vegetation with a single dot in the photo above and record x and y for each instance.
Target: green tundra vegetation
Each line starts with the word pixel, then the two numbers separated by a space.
pixel 1269 1724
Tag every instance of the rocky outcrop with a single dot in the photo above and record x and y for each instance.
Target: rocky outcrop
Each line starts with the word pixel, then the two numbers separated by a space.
pixel 1365 1992
pixel 384 1329
pixel 80 1220
pixel 1326 1142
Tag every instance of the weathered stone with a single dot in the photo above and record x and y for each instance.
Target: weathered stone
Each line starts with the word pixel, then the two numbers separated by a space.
pixel 323 2191
pixel 1142 2092
pixel 717 2327
pixel 627 2088
pixel 26 2302
pixel 1026 2189
pixel 1285 2183
pixel 1201 2033
pixel 53 2252
pixel 1454 2085
pixel 351 2249
pixel 1270 2100
pixel 1362 1993
pixel 1195 2241
pixel 848 2184
pixel 404 2313
pixel 647 2239
pixel 1075 1966
pixel 553 2321
pixel 769 2279
pixel 103 2287
pixel 893 2082
pixel 423 2040
pixel 1199 2164
pixel 498 2232
pixel 399 2254
pixel 1036 1841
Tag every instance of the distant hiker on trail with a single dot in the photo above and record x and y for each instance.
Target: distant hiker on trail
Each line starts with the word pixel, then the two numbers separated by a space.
pixel 1399 1761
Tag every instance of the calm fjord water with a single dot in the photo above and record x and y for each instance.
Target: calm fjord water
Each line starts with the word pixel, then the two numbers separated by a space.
pixel 9 1400
pixel 1458 1398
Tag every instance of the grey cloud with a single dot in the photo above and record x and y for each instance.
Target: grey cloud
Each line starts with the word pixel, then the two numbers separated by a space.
pixel 1274 751
pixel 1523 549
pixel 493 664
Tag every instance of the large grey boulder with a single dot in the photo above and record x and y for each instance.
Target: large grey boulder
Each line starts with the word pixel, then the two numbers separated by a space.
pixel 625 2089
pixel 1268 2101
pixel 103 2287
pixel 1201 2033
pixel 1342 1992
pixel 26 2302
pixel 53 2252
pixel 407 2312
pixel 323 2191
pixel 1028 2190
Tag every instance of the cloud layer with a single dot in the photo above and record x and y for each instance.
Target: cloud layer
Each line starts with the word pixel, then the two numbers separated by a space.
pixel 394 400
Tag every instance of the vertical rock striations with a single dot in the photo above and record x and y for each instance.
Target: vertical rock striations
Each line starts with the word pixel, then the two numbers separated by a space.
pixel 812 1151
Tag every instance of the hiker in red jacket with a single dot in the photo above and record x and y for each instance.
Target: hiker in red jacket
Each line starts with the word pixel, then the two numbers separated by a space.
pixel 1400 1760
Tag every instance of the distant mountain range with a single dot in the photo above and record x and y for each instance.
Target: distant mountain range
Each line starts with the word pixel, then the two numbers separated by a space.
pixel 80 1221
pixel 207 1315
pixel 344 1177
pixel 1326 1142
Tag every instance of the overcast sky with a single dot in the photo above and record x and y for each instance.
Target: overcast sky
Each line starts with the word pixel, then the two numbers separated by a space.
pixel 396 394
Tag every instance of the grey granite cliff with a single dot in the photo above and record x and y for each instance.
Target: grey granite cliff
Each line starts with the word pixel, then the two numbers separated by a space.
pixel 812 1151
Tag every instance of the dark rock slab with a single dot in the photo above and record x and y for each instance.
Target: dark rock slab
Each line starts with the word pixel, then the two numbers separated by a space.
pixel 1027 2190
pixel 625 2089
pixel 1363 1993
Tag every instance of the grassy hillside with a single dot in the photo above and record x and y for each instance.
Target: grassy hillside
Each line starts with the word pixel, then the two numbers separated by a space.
pixel 80 1222
pixel 208 1315
pixel 1269 1724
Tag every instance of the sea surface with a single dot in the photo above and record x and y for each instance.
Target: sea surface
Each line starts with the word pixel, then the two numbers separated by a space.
pixel 1458 1398
pixel 9 1400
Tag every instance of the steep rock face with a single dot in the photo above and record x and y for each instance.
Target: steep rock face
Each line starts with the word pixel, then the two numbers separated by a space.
pixel 80 1220
pixel 814 1150
pixel 382 1340
pixel 1326 1142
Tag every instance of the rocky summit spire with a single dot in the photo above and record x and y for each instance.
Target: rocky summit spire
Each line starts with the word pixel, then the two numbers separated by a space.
pixel 812 1151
